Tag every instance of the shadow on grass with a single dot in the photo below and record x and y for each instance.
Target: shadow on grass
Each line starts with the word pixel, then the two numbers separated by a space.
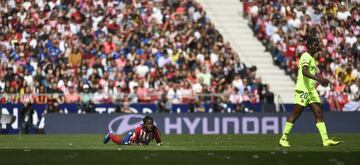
pixel 41 156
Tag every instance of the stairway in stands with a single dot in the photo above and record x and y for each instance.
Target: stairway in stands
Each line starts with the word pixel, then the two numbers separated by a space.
pixel 227 17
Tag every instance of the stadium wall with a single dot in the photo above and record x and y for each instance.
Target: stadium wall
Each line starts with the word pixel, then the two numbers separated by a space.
pixel 175 123
pixel 198 123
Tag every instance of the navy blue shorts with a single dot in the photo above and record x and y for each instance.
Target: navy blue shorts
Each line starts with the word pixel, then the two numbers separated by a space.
pixel 126 140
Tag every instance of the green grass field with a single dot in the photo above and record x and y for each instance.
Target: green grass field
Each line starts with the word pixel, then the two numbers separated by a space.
pixel 178 149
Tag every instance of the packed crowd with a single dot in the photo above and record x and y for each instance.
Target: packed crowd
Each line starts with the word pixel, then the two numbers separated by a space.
pixel 281 26
pixel 118 51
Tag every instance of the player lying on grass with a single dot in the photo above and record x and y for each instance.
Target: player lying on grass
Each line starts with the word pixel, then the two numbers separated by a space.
pixel 306 94
pixel 142 135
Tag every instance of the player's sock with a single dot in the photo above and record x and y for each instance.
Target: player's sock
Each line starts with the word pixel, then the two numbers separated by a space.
pixel 322 130
pixel 287 129
pixel 115 138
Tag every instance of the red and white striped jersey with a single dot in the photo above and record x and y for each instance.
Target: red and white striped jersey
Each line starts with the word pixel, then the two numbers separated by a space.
pixel 141 135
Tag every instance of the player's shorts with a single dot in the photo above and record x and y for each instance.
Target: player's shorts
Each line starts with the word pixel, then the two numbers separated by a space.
pixel 306 98
pixel 126 139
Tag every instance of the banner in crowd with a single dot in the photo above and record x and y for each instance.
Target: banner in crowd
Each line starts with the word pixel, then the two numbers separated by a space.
pixel 38 122
pixel 198 123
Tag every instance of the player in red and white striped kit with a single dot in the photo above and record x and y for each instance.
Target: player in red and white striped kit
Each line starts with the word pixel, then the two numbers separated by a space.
pixel 142 135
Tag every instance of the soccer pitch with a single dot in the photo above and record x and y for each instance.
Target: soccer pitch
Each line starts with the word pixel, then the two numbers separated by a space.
pixel 178 149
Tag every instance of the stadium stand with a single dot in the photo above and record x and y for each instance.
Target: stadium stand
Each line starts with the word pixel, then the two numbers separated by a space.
pixel 127 51
pixel 282 25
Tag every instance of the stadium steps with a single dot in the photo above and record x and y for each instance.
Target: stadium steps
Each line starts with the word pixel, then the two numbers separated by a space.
pixel 227 18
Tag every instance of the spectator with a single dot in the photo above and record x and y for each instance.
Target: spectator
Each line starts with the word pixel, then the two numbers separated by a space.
pixel 86 103
pixel 55 99
pixel 100 97
pixel 26 116
pixel 142 92
pixel 237 82
pixel 72 96
pixel 90 43
pixel 186 93
pixel 269 104
pixel 2 97
pixel 334 23
pixel 75 57
pixel 355 50
pixel 164 105
pixel 205 75
pixel 354 103
pixel 132 97
pixel 235 97
pixel 141 70
pixel 13 96
pixel 118 94
pixel 196 107
pixel 2 84
pixel 198 87
pixel 173 94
